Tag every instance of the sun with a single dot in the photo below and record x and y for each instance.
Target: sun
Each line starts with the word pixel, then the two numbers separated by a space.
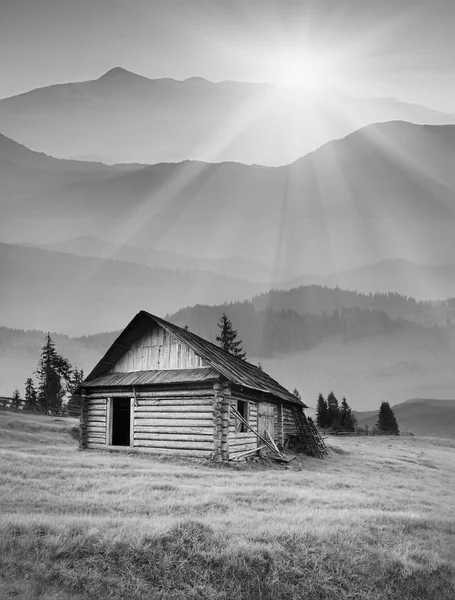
pixel 309 71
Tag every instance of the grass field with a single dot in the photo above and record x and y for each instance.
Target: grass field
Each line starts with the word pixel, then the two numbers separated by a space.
pixel 373 521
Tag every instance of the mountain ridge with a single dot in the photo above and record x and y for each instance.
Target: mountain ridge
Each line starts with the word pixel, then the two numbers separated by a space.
pixel 253 123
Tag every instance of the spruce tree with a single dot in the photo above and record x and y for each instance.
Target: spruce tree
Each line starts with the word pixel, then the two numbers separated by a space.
pixel 322 413
pixel 334 419
pixel 53 374
pixel 31 400
pixel 228 338
pixel 16 400
pixel 387 422
pixel 348 421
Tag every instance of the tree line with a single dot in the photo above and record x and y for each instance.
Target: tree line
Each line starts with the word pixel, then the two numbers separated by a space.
pixel 266 332
pixel 55 381
pixel 331 415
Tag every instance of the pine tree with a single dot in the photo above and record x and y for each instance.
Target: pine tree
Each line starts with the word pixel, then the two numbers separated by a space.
pixel 348 421
pixel 53 374
pixel 31 400
pixel 228 338
pixel 334 419
pixel 387 422
pixel 322 413
pixel 16 400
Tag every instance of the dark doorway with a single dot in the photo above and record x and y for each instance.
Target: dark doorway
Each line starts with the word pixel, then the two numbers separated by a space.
pixel 121 419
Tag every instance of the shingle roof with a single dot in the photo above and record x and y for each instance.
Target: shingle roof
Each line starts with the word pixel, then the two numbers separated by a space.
pixel 154 377
pixel 234 369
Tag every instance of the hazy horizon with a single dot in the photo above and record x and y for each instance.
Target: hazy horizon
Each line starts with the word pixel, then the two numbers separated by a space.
pixel 366 48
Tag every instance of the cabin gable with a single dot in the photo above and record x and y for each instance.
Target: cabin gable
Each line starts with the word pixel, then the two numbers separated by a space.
pixel 158 349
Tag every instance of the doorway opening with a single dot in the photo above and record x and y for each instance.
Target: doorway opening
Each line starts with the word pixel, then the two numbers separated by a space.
pixel 121 421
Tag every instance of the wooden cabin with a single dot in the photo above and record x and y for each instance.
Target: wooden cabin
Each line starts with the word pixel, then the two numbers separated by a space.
pixel 163 389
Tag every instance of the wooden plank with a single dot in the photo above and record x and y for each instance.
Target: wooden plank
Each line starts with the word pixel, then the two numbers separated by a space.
pixel 132 409
pixel 242 448
pixel 171 436
pixel 178 408
pixel 248 453
pixel 175 422
pixel 175 401
pixel 92 402
pixel 95 446
pixel 151 396
pixel 109 422
pixel 238 442
pixel 239 416
pixel 176 445
pixel 208 416
pixel 175 430
pixel 91 419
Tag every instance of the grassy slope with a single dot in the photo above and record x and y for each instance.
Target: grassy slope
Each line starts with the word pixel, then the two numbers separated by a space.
pixel 373 521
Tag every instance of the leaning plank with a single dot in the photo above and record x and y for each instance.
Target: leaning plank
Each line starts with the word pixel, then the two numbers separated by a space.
pixel 271 440
pixel 248 453
pixel 242 420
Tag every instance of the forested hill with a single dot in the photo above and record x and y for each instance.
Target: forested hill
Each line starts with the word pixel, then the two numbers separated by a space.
pixel 265 332
pixel 317 299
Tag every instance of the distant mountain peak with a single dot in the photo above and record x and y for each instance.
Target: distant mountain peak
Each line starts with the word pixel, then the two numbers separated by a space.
pixel 118 72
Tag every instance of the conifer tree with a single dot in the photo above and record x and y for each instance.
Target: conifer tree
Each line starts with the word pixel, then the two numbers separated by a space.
pixel 228 338
pixel 31 400
pixel 322 413
pixel 348 422
pixel 16 400
pixel 53 374
pixel 334 419
pixel 387 422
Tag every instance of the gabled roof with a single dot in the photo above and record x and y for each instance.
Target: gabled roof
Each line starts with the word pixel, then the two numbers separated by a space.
pixel 234 369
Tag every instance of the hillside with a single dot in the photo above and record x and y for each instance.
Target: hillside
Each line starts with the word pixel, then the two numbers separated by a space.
pixel 161 120
pixel 229 266
pixel 421 416
pixel 102 526
pixel 318 299
pixel 80 295
pixel 391 181
pixel 402 276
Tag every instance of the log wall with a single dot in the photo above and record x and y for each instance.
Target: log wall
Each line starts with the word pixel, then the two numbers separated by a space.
pixel 182 423
pixel 96 422
pixel 289 426
pixel 158 349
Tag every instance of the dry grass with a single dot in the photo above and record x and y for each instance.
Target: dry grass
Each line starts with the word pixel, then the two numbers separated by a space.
pixel 374 521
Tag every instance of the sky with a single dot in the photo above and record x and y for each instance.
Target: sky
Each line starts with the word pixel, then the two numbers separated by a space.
pixel 399 48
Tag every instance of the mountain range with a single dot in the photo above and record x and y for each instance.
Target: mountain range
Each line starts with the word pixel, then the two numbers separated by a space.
pixel 381 192
pixel 80 295
pixel 125 117
pixel 420 416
